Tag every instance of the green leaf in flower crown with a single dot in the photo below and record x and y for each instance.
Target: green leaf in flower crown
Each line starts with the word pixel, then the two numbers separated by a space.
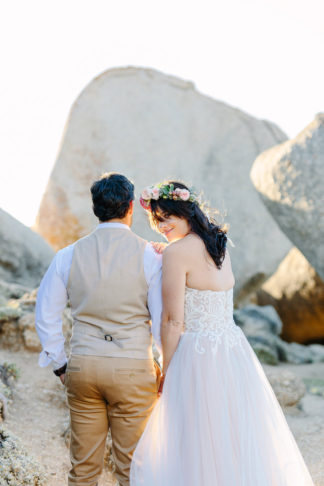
pixel 171 187
pixel 166 190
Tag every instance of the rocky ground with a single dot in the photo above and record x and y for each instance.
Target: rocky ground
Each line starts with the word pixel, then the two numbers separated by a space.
pixel 39 416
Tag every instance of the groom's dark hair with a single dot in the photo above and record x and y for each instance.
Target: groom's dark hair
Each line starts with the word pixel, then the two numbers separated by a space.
pixel 111 196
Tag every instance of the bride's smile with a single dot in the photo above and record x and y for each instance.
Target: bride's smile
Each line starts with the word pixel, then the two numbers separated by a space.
pixel 172 227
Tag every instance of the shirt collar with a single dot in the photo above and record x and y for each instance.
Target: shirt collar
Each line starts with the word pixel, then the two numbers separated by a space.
pixel 113 225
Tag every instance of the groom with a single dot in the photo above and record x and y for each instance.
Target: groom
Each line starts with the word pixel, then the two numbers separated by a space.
pixel 112 278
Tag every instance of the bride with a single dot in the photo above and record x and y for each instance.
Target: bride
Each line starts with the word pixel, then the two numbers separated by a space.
pixel 218 422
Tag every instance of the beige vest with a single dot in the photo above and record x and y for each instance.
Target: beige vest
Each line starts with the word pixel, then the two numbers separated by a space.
pixel 108 295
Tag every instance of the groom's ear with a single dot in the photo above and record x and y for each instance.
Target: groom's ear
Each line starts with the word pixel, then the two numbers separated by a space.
pixel 131 207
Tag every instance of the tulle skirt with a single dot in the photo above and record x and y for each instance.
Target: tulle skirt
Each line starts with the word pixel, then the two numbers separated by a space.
pixel 217 423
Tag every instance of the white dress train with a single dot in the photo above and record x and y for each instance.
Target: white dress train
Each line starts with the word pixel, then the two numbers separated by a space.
pixel 218 422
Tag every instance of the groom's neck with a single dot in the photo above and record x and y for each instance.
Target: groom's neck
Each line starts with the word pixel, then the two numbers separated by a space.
pixel 126 220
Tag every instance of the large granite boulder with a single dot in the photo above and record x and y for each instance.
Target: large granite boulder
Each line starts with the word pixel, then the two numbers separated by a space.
pixel 150 126
pixel 24 255
pixel 290 180
pixel 296 291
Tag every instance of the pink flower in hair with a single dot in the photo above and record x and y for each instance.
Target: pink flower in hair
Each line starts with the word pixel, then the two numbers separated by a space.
pixel 155 193
pixel 185 194
pixel 145 204
pixel 146 193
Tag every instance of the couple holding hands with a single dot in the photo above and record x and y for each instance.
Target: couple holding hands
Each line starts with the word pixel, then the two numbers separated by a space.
pixel 210 418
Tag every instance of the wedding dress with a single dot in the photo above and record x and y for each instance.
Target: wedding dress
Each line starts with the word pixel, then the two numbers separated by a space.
pixel 218 422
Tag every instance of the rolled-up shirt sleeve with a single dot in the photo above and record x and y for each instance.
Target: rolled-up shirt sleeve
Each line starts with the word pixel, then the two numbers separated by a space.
pixel 51 301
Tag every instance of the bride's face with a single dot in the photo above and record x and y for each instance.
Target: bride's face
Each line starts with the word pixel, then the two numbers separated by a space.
pixel 172 227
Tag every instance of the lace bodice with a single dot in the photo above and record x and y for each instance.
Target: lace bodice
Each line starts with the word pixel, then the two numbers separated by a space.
pixel 209 314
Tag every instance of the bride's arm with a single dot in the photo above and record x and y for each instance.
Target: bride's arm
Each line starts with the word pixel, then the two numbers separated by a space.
pixel 173 290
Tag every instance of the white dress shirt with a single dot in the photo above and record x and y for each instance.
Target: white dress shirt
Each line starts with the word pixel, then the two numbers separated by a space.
pixel 52 299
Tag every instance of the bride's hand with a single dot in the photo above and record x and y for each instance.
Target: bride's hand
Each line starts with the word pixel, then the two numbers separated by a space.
pixel 158 246
pixel 161 386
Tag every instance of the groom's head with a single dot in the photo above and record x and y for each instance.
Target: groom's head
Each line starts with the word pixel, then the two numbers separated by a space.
pixel 112 197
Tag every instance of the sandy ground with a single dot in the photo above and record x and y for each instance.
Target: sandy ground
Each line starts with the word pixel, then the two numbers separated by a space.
pixel 307 423
pixel 39 416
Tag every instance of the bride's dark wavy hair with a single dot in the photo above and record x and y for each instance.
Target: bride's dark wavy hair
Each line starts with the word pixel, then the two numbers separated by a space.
pixel 213 235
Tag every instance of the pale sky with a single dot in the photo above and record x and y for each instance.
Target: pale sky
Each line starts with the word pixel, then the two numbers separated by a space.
pixel 264 57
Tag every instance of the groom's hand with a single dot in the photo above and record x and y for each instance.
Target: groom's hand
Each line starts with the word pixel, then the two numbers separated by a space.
pixel 158 246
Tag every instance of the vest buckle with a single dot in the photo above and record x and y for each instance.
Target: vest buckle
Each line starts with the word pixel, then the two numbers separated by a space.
pixel 110 338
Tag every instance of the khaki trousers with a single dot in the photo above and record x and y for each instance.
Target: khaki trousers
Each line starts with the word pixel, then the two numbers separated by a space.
pixel 105 392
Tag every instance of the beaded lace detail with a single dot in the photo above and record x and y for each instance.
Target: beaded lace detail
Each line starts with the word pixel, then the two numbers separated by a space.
pixel 209 314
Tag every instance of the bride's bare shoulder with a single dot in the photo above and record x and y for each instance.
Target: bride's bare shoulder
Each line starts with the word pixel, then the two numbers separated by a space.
pixel 184 246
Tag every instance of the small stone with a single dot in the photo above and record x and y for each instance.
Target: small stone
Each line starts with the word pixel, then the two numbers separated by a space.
pixel 31 340
pixel 9 314
pixel 294 353
pixel 288 388
pixel 27 321
pixel 265 354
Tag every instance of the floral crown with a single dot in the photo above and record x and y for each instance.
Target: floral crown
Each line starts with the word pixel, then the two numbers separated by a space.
pixel 166 191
